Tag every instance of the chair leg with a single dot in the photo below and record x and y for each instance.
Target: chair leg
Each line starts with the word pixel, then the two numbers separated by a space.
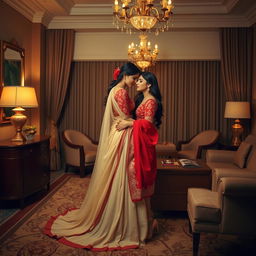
pixel 82 171
pixel 196 241
pixel 189 227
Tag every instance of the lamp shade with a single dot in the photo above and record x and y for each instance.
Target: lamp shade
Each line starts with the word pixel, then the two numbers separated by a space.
pixel 18 96
pixel 237 109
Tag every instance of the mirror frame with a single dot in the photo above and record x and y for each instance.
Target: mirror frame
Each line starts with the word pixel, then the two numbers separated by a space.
pixel 13 46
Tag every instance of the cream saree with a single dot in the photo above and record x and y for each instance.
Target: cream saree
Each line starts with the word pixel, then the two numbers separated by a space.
pixel 107 218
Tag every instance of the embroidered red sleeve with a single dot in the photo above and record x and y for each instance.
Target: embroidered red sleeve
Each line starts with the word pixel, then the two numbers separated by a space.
pixel 150 110
pixel 123 101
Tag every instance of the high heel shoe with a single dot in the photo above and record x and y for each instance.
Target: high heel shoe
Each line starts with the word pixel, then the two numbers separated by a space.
pixel 155 227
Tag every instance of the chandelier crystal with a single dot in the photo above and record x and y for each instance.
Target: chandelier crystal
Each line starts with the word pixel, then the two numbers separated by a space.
pixel 142 15
pixel 142 55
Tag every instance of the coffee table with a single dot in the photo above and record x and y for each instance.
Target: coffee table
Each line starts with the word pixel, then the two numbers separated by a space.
pixel 172 184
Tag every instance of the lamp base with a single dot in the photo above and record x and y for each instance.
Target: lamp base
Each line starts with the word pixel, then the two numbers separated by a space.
pixel 18 120
pixel 237 130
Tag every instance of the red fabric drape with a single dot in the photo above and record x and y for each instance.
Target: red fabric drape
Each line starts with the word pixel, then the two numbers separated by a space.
pixel 145 137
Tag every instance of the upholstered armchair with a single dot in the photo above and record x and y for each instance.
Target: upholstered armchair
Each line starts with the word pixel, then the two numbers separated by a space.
pixel 230 210
pixel 192 149
pixel 79 150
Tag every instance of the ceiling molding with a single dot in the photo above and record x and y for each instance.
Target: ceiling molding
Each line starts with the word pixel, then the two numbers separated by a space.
pixel 179 21
pixel 23 9
pixel 42 17
pixel 251 15
pixel 61 14
pixel 230 4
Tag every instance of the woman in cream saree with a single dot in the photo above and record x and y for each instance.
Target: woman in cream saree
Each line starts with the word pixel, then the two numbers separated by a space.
pixel 109 218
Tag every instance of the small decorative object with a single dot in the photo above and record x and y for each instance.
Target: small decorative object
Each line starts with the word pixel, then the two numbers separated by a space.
pixel 29 132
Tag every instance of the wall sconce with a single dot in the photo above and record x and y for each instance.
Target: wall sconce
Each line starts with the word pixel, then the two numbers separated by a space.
pixel 18 97
pixel 236 110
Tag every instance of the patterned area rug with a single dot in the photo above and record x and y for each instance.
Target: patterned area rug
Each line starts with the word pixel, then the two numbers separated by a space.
pixel 173 239
pixel 8 212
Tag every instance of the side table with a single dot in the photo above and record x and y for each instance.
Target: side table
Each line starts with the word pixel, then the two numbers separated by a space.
pixel 172 184
pixel 24 168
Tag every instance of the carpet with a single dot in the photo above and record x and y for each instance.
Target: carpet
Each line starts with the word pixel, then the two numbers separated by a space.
pixel 9 209
pixel 173 239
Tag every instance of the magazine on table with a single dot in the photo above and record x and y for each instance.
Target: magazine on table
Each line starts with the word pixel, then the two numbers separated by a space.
pixel 170 162
pixel 188 163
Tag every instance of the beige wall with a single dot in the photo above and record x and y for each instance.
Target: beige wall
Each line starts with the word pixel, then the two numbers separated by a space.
pixel 174 45
pixel 14 26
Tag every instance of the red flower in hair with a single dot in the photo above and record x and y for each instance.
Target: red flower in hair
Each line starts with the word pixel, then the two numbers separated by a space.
pixel 116 73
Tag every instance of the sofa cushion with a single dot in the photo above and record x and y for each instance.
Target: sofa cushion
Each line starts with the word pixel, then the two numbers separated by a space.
pixel 219 173
pixel 242 154
pixel 251 162
pixel 251 139
pixel 213 165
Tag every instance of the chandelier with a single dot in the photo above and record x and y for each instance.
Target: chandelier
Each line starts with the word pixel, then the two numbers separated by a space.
pixel 142 55
pixel 142 15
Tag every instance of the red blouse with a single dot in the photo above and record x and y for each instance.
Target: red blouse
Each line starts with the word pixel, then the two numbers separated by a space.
pixel 147 110
pixel 124 102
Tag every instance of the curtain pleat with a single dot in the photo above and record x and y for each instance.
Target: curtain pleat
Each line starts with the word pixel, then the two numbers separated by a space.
pixel 236 46
pixel 193 97
pixel 59 54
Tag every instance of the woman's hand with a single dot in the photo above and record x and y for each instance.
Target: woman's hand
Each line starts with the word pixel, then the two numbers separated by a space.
pixel 123 124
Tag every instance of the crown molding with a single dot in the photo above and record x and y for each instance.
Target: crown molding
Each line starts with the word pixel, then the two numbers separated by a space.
pixel 251 15
pixel 42 17
pixel 23 9
pixel 230 4
pixel 178 21
pixel 201 14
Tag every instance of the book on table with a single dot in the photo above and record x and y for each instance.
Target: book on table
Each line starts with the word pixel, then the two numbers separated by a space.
pixel 188 163
pixel 170 162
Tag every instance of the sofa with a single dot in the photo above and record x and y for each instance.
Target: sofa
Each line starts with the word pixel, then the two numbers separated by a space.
pixel 227 163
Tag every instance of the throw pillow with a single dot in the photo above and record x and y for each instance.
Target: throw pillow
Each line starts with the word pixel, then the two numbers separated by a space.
pixel 242 154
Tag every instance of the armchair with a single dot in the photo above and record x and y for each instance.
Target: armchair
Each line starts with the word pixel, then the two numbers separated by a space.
pixel 192 149
pixel 79 150
pixel 230 210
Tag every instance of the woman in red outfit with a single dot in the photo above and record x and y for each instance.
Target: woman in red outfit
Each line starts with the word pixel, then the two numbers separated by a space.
pixel 148 114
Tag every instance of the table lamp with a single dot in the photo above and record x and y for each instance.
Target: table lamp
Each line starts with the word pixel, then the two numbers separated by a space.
pixel 19 97
pixel 237 110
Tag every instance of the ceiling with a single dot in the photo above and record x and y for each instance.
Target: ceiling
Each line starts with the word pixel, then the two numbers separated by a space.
pixel 96 15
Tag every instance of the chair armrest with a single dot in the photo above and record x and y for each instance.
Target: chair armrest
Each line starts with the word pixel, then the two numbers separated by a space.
pixel 179 144
pixel 74 146
pixel 238 187
pixel 204 147
pixel 213 155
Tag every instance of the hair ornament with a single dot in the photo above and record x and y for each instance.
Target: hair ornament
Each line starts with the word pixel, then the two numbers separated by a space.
pixel 116 73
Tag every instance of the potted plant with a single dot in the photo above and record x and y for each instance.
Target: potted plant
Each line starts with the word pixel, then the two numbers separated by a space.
pixel 29 131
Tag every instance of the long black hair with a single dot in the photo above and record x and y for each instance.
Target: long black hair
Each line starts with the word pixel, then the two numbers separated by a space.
pixel 154 91
pixel 128 69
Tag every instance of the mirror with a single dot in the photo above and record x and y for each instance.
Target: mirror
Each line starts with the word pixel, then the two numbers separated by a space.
pixel 12 72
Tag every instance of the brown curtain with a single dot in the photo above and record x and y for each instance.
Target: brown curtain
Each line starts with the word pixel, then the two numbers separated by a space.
pixel 193 97
pixel 236 62
pixel 59 55
pixel 236 45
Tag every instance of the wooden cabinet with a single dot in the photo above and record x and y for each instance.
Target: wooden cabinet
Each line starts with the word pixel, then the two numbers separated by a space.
pixel 24 168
